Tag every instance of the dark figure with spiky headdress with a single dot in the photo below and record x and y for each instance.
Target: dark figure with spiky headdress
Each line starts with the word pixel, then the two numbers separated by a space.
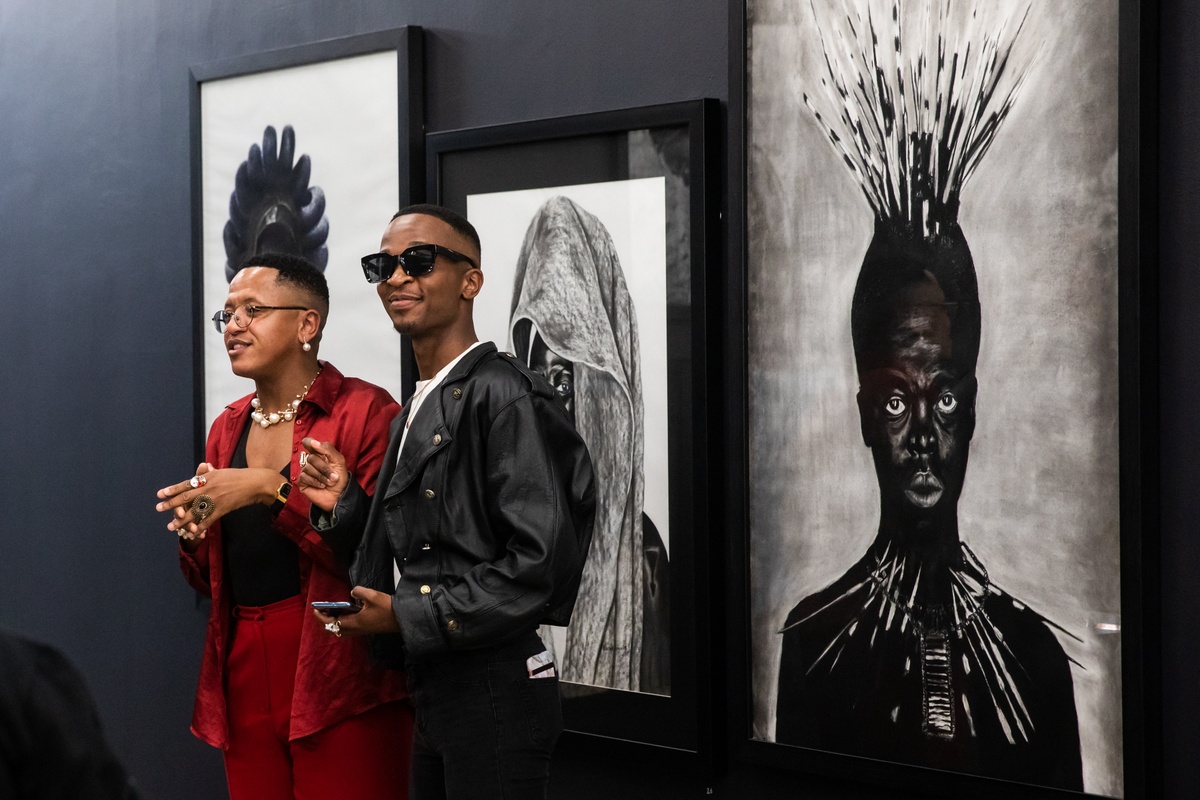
pixel 915 655
pixel 273 209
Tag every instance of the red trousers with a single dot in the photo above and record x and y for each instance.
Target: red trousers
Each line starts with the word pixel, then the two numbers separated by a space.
pixel 365 757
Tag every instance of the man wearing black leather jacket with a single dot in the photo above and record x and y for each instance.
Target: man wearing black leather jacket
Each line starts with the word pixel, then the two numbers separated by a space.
pixel 477 533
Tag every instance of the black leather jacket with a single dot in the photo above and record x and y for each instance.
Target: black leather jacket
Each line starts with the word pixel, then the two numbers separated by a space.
pixel 489 510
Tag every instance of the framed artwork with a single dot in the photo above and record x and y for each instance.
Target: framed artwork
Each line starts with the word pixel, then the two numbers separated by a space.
pixel 949 537
pixel 596 242
pixel 307 150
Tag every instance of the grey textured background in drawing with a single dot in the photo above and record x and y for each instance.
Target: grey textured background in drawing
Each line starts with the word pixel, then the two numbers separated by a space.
pixel 1040 504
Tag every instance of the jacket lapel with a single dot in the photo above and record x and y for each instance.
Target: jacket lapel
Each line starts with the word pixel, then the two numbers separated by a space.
pixel 428 424
pixel 388 468
pixel 429 431
pixel 374 556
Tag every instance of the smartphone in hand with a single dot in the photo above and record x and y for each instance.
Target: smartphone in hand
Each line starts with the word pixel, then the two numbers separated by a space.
pixel 338 608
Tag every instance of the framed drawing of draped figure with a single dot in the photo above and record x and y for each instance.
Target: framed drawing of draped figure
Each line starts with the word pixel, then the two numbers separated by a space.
pixel 947 526
pixel 595 247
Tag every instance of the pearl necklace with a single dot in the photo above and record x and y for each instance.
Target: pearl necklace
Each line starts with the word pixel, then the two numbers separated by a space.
pixel 286 415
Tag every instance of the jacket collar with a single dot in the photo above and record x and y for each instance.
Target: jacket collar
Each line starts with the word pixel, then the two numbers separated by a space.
pixel 420 442
pixel 461 370
pixel 464 367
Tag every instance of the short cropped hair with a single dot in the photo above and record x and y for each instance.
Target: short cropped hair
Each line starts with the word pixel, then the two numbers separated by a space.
pixel 294 270
pixel 452 218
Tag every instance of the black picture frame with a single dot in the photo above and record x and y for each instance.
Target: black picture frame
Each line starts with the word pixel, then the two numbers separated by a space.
pixel 587 149
pixel 1138 437
pixel 408 43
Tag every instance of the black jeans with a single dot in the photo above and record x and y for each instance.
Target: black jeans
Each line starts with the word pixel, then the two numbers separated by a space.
pixel 485 729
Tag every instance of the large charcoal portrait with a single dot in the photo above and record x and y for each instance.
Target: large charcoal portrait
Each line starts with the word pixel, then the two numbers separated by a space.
pixel 303 160
pixel 575 285
pixel 935 563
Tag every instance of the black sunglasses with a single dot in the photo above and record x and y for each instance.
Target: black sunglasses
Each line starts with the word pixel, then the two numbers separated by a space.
pixel 417 260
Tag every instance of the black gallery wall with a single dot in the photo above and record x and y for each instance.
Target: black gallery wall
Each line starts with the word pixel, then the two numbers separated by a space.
pixel 95 319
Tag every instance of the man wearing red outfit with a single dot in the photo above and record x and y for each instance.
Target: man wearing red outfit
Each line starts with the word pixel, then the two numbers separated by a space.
pixel 298 714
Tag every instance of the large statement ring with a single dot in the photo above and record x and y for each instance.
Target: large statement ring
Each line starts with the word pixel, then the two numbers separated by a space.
pixel 303 458
pixel 335 628
pixel 197 481
pixel 201 507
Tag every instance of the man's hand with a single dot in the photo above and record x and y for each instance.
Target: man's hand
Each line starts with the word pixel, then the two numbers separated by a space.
pixel 225 490
pixel 325 476
pixel 375 617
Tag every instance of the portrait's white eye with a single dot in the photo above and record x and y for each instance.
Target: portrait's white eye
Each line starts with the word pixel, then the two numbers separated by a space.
pixel 894 406
pixel 947 403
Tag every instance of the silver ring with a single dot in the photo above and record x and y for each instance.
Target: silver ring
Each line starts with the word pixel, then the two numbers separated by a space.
pixel 335 628
pixel 197 481
pixel 303 458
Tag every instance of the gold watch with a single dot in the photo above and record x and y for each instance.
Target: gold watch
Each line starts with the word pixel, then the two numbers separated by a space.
pixel 281 496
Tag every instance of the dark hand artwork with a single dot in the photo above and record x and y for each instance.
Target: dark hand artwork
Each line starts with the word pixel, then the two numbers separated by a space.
pixel 272 207
pixel 573 320
pixel 915 655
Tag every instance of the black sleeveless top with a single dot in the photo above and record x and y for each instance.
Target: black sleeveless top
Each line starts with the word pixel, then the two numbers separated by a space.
pixel 261 565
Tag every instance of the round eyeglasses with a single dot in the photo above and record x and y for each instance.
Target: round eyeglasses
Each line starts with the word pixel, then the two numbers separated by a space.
pixel 244 315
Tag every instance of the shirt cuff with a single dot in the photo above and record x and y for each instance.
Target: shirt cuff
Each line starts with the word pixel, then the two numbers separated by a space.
pixel 322 520
pixel 418 622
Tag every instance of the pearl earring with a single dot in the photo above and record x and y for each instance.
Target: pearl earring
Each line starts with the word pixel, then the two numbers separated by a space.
pixel 306 347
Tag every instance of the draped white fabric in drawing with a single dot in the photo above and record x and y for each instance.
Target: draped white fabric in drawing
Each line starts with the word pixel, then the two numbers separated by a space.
pixel 570 287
